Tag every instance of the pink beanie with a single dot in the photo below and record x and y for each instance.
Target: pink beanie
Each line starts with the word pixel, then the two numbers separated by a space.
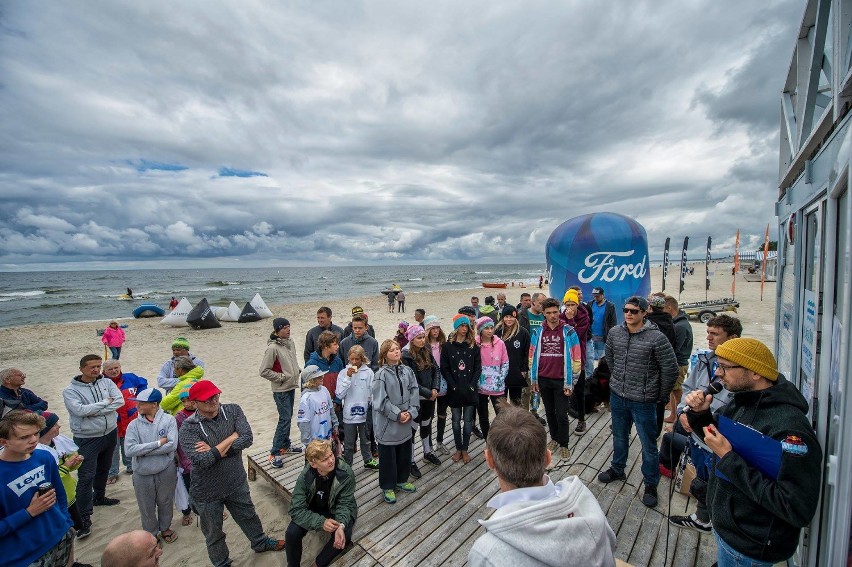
pixel 413 331
pixel 484 322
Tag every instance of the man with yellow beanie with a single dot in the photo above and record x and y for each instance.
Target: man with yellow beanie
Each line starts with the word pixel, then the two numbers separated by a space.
pixel 757 516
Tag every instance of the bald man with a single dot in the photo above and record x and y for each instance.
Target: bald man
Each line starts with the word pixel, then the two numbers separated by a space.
pixel 133 549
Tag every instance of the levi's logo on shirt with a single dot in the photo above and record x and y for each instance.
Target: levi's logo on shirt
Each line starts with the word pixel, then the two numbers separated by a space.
pixel 27 480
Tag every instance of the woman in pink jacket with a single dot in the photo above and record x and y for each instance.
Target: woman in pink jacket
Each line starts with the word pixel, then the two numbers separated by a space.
pixel 113 338
pixel 495 369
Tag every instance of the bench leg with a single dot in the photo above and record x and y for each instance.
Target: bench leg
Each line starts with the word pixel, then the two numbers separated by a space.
pixel 252 472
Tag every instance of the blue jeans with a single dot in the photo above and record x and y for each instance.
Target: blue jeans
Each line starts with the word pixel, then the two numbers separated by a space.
pixel 462 436
pixel 284 402
pixel 115 351
pixel 727 556
pixel 590 357
pixel 644 414
pixel 125 460
pixel 704 463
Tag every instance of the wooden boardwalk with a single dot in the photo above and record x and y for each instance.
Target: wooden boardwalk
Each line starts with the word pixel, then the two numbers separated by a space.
pixel 437 525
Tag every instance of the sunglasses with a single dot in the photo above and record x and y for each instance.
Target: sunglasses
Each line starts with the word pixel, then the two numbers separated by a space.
pixel 631 311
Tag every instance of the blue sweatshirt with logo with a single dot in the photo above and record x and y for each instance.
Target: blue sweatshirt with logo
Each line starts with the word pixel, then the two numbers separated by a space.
pixel 24 538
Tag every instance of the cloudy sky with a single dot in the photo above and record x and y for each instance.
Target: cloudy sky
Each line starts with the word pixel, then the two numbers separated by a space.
pixel 137 134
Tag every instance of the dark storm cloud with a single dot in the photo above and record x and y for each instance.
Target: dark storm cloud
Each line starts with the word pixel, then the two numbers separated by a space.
pixel 371 132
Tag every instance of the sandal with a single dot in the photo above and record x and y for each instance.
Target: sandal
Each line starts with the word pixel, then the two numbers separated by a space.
pixel 186 520
pixel 169 536
pixel 112 480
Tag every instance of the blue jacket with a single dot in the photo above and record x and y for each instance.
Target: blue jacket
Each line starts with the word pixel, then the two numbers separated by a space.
pixel 572 356
pixel 24 538
pixel 27 398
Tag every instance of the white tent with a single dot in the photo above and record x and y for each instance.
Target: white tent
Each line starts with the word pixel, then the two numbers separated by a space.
pixel 177 318
pixel 219 312
pixel 260 306
pixel 233 314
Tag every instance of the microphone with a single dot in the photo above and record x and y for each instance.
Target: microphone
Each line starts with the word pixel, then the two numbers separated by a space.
pixel 713 388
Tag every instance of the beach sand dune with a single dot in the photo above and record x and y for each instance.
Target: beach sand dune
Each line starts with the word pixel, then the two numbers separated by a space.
pixel 49 355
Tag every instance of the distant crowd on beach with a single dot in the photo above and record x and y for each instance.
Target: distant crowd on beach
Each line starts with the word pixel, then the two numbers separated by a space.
pixel 358 395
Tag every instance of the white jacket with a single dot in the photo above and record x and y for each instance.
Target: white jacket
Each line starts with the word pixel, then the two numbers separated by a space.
pixel 553 525
pixel 356 393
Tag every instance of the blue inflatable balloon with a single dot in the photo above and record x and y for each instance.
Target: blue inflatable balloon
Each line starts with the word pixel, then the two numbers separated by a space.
pixel 605 250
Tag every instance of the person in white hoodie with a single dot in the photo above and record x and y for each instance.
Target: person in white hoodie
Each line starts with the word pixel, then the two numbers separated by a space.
pixel 91 401
pixel 536 521
pixel 354 387
pixel 151 441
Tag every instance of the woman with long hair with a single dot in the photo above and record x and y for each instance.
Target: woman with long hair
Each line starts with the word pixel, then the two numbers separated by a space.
pixel 461 367
pixel 495 368
pixel 418 357
pixel 436 340
pixel 517 341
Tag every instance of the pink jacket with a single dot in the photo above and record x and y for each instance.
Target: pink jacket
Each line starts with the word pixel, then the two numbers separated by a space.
pixel 113 337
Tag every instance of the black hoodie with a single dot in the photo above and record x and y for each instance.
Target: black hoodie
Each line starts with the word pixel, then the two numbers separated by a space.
pixel 758 516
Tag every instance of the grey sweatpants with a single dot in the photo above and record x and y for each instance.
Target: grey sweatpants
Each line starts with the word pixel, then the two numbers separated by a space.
pixel 155 495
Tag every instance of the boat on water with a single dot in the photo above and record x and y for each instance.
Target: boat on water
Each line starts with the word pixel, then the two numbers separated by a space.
pixel 497 285
pixel 148 310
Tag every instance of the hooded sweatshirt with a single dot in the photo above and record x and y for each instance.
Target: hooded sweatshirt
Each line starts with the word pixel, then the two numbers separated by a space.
pixel 495 367
pixel 172 402
pixel 142 443
pixel 129 384
pixel 545 525
pixel 395 390
pixel 279 364
pixel 91 412
pixel 166 378
pixel 113 337
pixel 330 367
pixel 518 349
pixel 356 393
pixel 756 515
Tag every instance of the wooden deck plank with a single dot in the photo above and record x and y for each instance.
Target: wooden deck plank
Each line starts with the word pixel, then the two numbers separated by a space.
pixel 437 525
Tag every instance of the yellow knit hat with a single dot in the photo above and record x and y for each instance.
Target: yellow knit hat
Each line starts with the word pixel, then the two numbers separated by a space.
pixel 751 354
pixel 571 295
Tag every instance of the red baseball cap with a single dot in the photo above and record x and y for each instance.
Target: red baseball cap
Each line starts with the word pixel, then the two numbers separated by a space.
pixel 203 390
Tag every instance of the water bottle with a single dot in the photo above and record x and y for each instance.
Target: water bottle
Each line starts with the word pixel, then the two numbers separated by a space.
pixel 536 400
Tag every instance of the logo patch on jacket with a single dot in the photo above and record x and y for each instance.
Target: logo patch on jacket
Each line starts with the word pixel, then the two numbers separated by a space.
pixel 517 343
pixel 794 445
pixel 461 365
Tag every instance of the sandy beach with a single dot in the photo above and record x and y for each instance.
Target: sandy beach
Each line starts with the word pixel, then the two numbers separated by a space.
pixel 49 355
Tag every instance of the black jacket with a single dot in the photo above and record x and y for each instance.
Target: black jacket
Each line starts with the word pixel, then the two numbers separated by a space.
pixel 664 323
pixel 461 366
pixel 518 349
pixel 428 379
pixel 758 516
pixel 610 318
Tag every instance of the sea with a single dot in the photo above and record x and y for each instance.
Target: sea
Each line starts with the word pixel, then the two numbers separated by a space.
pixel 37 297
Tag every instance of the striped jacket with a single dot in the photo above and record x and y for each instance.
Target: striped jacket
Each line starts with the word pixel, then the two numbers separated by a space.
pixel 643 364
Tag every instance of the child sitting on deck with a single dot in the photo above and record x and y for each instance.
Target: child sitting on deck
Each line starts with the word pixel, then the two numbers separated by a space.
pixel 354 384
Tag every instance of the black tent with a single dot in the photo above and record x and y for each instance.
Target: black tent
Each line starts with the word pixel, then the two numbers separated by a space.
pixel 249 315
pixel 202 317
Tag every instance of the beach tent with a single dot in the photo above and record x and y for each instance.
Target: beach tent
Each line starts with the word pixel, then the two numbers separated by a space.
pixel 249 315
pixel 201 317
pixel 260 306
pixel 177 318
pixel 233 314
pixel 219 312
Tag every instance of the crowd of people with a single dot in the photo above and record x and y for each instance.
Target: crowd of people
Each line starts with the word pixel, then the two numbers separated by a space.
pixel 360 394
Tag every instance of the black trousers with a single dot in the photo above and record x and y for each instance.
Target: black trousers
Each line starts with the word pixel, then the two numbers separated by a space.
pixel 93 473
pixel 578 397
pixel 394 464
pixel 296 533
pixel 555 408
pixel 482 411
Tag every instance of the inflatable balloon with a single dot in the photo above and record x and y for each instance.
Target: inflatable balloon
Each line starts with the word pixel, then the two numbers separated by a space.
pixel 604 250
pixel 177 317
pixel 201 317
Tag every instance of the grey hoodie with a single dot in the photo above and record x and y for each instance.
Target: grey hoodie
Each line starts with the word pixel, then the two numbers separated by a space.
pixel 395 390
pixel 552 525
pixel 142 442
pixel 91 413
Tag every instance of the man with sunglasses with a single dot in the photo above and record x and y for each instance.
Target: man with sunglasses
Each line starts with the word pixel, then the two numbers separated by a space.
pixel 213 439
pixel 765 484
pixel 644 370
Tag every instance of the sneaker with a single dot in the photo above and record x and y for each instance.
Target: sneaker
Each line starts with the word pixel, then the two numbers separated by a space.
pixel 665 471
pixel 649 499
pixel 372 464
pixel 553 445
pixel 565 453
pixel 292 449
pixel 691 521
pixel 276 461
pixel 105 501
pixel 581 428
pixel 415 471
pixel 270 544
pixel 406 487
pixel 431 458
pixel 390 496
pixel 476 432
pixel 610 475
pixel 84 532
